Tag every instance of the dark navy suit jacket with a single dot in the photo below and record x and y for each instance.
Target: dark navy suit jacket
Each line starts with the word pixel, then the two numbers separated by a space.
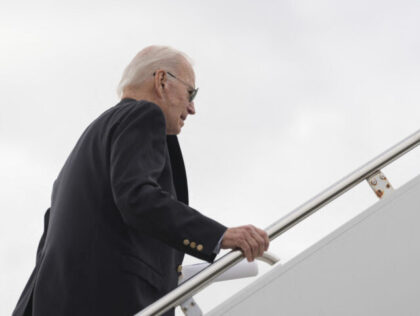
pixel 119 222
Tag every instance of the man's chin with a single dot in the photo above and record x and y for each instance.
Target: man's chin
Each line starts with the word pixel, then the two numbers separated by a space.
pixel 174 132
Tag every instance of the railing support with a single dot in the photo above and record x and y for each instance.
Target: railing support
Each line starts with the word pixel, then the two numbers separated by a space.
pixel 204 278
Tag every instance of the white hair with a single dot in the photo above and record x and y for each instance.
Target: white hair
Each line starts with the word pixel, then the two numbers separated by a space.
pixel 147 61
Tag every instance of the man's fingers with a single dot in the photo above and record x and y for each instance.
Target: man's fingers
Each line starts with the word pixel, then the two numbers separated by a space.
pixel 250 239
pixel 246 249
pixel 265 241
pixel 255 241
pixel 248 245
pixel 262 239
pixel 254 245
pixel 260 243
pixel 264 235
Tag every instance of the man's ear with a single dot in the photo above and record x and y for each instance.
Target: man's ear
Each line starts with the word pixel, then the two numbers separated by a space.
pixel 160 82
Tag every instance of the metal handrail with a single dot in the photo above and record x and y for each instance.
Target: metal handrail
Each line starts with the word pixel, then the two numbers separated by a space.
pixel 204 278
pixel 269 258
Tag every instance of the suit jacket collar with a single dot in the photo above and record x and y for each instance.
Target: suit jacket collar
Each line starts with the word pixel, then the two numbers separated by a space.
pixel 177 164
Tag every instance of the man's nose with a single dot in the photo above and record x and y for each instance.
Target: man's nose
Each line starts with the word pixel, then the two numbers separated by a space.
pixel 191 108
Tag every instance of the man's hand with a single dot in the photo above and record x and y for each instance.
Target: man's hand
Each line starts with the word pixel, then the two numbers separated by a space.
pixel 250 239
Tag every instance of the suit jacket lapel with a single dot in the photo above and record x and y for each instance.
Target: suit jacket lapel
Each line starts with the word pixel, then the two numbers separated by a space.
pixel 178 168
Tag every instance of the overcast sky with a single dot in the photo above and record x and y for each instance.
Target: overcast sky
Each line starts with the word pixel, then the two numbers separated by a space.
pixel 294 95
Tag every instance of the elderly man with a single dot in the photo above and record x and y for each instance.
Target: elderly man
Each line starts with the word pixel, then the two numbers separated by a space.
pixel 119 222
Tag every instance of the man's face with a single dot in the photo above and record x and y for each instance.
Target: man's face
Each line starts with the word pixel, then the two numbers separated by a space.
pixel 179 106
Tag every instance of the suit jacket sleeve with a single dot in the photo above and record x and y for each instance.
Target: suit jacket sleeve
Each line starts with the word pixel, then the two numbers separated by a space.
pixel 219 244
pixel 136 162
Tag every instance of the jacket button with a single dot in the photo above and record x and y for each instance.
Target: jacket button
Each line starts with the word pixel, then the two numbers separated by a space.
pixel 179 269
pixel 192 245
pixel 199 247
pixel 186 242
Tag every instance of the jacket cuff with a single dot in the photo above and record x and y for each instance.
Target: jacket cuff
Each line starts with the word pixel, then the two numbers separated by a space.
pixel 216 249
pixel 205 249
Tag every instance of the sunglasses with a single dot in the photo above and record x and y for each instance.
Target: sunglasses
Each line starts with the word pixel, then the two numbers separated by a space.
pixel 191 91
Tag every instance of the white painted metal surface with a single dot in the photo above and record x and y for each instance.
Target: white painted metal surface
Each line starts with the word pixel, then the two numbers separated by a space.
pixel 243 269
pixel 205 277
pixel 367 267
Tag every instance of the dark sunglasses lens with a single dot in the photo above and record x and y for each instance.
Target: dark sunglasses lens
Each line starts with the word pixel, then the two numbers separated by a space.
pixel 193 93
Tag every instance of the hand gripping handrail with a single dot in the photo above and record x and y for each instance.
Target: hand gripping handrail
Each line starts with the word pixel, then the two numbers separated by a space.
pixel 205 277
